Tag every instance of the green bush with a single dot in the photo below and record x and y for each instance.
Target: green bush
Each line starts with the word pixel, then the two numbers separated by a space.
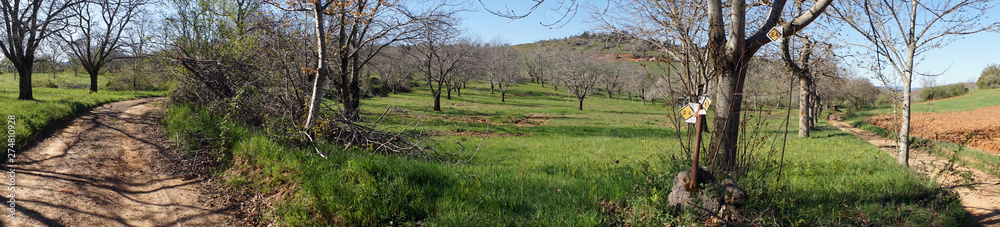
pixel 946 91
pixel 990 78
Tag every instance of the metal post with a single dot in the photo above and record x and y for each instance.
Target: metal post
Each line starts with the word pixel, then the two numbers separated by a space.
pixel 693 182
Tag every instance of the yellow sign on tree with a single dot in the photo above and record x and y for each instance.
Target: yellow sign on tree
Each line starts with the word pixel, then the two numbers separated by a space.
pixel 774 34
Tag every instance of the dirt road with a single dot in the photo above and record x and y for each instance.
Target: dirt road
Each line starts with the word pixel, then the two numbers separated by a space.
pixel 980 197
pixel 101 170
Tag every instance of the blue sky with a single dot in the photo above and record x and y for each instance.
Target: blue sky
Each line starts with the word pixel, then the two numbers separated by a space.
pixel 480 23
pixel 962 61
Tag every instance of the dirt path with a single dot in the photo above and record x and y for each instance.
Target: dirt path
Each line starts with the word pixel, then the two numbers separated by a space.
pixel 100 171
pixel 980 197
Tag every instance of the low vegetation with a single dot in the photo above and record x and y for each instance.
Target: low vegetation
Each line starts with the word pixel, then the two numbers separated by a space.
pixel 946 91
pixel 990 78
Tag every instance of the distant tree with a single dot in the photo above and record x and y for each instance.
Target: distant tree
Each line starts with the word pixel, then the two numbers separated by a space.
pixel 940 92
pixel 395 67
pixel 25 25
pixel 500 64
pixel 95 32
pixel 441 53
pixel 639 82
pixel 580 73
pixel 537 63
pixel 612 81
pixel 807 69
pixel 990 78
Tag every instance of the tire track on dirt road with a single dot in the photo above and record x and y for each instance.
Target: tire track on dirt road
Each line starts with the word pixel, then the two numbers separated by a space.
pixel 100 170
pixel 981 197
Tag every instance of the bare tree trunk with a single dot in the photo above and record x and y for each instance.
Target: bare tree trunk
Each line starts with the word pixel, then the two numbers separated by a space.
pixel 437 101
pixel 904 130
pixel 727 116
pixel 804 107
pixel 352 105
pixel 581 103
pixel 24 84
pixel 642 95
pixel 503 95
pixel 93 80
pixel 319 82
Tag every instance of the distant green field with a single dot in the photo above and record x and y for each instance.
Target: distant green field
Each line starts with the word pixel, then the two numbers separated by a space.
pixel 557 171
pixel 974 100
pixel 52 105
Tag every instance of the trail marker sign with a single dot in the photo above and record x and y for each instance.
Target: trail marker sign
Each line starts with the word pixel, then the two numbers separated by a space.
pixel 688 112
pixel 705 102
pixel 774 34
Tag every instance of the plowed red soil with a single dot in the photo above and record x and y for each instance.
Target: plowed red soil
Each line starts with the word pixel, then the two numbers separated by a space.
pixel 980 128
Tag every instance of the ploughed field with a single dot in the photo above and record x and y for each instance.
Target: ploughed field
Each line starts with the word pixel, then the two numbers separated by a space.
pixel 979 128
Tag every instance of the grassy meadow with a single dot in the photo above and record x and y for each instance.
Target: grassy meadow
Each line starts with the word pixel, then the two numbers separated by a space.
pixel 541 162
pixel 57 98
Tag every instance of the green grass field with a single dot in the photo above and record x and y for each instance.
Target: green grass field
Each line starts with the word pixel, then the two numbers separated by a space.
pixel 52 105
pixel 558 170
pixel 974 100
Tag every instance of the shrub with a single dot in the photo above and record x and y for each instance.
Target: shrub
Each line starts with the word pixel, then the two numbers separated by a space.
pixel 990 78
pixel 138 82
pixel 946 91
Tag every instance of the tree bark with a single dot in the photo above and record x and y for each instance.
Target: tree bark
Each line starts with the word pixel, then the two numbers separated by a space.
pixel 727 118
pixel 904 130
pixel 24 83
pixel 437 101
pixel 581 103
pixel 319 82
pixel 93 80
pixel 805 107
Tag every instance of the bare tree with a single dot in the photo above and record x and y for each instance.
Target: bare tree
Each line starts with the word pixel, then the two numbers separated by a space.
pixel 395 67
pixel 442 53
pixel 579 74
pixel 536 63
pixel 676 28
pixel 94 32
pixel 25 25
pixel 362 28
pixel 728 51
pixel 501 69
pixel 802 68
pixel 731 51
pixel 896 32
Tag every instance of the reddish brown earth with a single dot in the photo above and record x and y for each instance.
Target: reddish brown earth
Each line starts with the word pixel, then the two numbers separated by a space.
pixel 979 128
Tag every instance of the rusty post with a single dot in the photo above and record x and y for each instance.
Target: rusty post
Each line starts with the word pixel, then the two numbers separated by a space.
pixel 693 182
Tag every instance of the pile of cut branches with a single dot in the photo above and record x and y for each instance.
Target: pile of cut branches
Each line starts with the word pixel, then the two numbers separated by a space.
pixel 406 141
